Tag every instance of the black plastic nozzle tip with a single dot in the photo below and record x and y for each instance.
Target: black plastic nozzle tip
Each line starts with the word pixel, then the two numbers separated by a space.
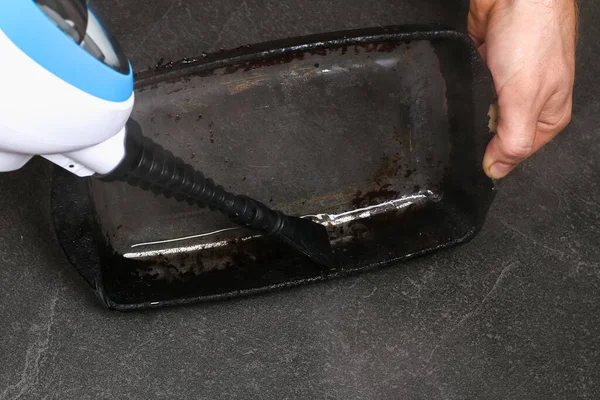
pixel 308 237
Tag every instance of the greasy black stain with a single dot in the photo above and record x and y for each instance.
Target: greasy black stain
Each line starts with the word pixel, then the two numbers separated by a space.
pixel 259 59
pixel 240 266
pixel 285 58
pixel 388 170
pixel 373 197
pixel 263 263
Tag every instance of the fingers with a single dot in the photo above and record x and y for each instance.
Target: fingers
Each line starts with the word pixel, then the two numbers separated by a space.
pixel 479 11
pixel 521 134
pixel 503 155
pixel 529 49
pixel 515 139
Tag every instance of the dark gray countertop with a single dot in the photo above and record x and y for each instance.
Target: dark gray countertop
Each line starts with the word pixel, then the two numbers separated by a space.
pixel 513 314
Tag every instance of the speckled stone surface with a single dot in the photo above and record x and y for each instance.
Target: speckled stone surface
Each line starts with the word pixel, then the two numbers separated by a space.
pixel 515 314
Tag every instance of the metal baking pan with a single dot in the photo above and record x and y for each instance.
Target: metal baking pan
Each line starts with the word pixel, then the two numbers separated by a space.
pixel 378 134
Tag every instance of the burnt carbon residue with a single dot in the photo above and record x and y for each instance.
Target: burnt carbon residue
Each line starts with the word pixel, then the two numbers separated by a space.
pixel 253 57
pixel 265 264
pixel 389 169
pixel 373 197
pixel 238 266
pixel 453 213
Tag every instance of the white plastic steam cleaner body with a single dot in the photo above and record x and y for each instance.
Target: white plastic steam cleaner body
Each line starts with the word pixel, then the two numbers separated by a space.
pixel 66 90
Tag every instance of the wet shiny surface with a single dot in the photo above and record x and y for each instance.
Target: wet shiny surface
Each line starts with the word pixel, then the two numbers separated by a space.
pixel 374 134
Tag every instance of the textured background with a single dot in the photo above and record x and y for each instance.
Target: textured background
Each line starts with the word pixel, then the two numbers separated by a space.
pixel 513 314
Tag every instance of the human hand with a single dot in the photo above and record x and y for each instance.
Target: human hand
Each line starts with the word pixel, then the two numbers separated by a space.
pixel 529 47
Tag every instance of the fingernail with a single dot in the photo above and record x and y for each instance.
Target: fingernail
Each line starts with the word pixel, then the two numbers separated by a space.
pixel 499 170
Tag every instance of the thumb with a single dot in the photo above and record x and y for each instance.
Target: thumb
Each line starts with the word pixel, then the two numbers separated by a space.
pixel 515 138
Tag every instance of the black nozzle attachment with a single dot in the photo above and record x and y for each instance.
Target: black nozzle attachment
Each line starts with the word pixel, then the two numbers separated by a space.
pixel 151 167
